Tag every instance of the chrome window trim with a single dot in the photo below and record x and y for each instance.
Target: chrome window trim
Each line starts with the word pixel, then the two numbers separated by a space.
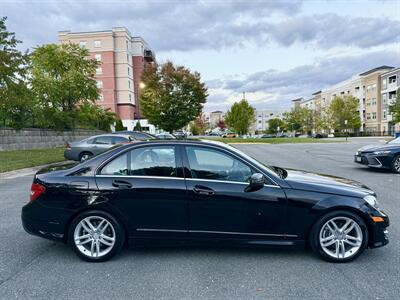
pixel 228 181
pixel 141 176
pixel 217 232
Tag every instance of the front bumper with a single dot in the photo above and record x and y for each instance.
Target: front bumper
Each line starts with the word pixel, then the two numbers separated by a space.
pixel 371 160
pixel 378 231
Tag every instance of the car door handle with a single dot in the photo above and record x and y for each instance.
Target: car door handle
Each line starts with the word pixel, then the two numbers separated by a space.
pixel 121 184
pixel 202 190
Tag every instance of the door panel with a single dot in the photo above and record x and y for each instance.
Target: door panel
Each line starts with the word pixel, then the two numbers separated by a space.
pixel 228 211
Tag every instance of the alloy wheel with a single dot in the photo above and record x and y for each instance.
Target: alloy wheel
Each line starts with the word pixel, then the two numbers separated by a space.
pixel 341 237
pixel 85 157
pixel 94 236
pixel 396 164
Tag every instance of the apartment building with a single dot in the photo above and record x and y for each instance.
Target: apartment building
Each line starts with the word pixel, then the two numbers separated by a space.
pixel 390 83
pixel 215 117
pixel 366 87
pixel 122 61
pixel 263 116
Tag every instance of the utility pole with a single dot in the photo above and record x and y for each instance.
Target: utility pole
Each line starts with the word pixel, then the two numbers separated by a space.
pixel 244 95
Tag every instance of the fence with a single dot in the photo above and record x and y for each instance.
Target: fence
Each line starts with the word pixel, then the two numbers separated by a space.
pixel 31 138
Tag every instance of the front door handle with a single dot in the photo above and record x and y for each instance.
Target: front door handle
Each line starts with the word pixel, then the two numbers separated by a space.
pixel 121 184
pixel 202 190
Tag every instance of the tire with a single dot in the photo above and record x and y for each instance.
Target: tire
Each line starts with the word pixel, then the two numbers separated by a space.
pixel 396 164
pixel 349 244
pixel 106 232
pixel 84 156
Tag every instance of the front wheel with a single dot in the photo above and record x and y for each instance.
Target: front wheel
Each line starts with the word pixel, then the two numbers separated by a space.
pixel 339 236
pixel 396 164
pixel 96 236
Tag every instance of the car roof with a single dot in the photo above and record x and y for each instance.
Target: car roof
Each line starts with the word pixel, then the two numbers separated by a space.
pixel 112 135
pixel 180 142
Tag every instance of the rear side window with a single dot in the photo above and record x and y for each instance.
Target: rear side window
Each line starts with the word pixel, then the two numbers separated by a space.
pixel 142 136
pixel 103 140
pixel 147 161
pixel 153 161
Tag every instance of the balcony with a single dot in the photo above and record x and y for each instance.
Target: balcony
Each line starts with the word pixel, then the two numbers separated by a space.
pixel 148 55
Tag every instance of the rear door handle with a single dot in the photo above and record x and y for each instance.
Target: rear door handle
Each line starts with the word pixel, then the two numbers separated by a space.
pixel 202 190
pixel 121 184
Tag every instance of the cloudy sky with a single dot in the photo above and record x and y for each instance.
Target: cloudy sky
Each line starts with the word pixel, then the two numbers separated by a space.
pixel 274 51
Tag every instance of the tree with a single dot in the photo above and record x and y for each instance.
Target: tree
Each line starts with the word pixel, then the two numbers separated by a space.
pixel 138 126
pixel 198 126
pixel 118 125
pixel 240 117
pixel 276 125
pixel 221 124
pixel 172 96
pixel 16 107
pixel 300 119
pixel 342 109
pixel 61 80
pixel 92 116
pixel 395 108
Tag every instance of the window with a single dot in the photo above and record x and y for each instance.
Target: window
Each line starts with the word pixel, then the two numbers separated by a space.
pixel 99 71
pixel 384 114
pixel 119 140
pixel 129 71
pixel 208 163
pixel 384 84
pixel 374 115
pixel 82 44
pixel 103 140
pixel 127 58
pixel 130 98
pixel 97 44
pixel 99 84
pixel 129 84
pixel 97 57
pixel 118 166
pixel 155 161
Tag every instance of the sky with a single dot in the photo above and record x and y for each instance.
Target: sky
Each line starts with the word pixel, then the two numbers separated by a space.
pixel 275 51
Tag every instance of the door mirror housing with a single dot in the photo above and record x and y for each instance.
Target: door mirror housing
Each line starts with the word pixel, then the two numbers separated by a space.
pixel 257 181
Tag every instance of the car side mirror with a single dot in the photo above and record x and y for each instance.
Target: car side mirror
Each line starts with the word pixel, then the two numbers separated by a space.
pixel 257 181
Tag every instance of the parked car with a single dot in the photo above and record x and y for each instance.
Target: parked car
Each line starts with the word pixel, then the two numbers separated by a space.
pixel 145 193
pixel 137 135
pixel 231 135
pixel 180 134
pixel 380 156
pixel 214 133
pixel 94 145
pixel 268 136
pixel 165 136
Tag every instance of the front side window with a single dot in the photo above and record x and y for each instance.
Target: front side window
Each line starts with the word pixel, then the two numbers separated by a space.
pixel 212 164
pixel 118 166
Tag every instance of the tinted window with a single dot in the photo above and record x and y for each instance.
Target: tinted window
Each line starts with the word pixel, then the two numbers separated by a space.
pixel 104 140
pixel 141 136
pixel 154 161
pixel 118 166
pixel 213 164
pixel 120 139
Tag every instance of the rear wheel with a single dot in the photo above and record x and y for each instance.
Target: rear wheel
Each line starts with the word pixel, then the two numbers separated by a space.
pixel 396 164
pixel 96 236
pixel 339 236
pixel 84 156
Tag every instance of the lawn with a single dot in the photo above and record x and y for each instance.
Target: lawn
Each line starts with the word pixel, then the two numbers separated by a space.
pixel 18 159
pixel 274 140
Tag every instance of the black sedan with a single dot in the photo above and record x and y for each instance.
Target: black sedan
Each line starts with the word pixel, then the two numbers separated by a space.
pixel 197 192
pixel 380 156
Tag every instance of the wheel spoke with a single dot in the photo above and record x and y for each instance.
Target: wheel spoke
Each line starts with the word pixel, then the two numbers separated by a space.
pixel 85 236
pixel 344 227
pixel 105 242
pixel 92 249
pixel 335 227
pixel 342 249
pixel 106 237
pixel 350 228
pixel 82 242
pixel 337 249
pixel 97 248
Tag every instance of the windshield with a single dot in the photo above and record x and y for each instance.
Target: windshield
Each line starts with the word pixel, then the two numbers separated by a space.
pixel 395 141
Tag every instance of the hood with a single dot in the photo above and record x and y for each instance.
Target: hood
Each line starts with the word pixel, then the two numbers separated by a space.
pixel 372 148
pixel 326 183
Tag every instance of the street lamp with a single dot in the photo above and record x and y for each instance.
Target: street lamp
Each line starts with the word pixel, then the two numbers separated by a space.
pixel 142 85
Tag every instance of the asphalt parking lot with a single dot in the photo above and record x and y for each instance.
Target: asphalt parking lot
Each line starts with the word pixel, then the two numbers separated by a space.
pixel 31 267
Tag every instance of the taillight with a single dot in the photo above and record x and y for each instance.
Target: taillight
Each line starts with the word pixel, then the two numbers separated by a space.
pixel 36 190
pixel 68 146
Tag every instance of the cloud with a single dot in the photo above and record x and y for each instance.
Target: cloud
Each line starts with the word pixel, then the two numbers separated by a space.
pixel 199 25
pixel 276 89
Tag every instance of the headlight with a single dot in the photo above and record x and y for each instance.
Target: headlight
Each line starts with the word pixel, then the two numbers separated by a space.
pixel 371 200
pixel 387 152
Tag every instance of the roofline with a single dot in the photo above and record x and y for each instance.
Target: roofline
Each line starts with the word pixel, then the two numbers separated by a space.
pixel 375 70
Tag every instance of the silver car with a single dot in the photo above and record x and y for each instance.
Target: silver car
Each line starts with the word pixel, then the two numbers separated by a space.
pixel 86 148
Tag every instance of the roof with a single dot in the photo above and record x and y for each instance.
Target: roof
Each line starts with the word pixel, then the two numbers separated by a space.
pixel 298 99
pixel 381 68
pixel 216 111
pixel 318 92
